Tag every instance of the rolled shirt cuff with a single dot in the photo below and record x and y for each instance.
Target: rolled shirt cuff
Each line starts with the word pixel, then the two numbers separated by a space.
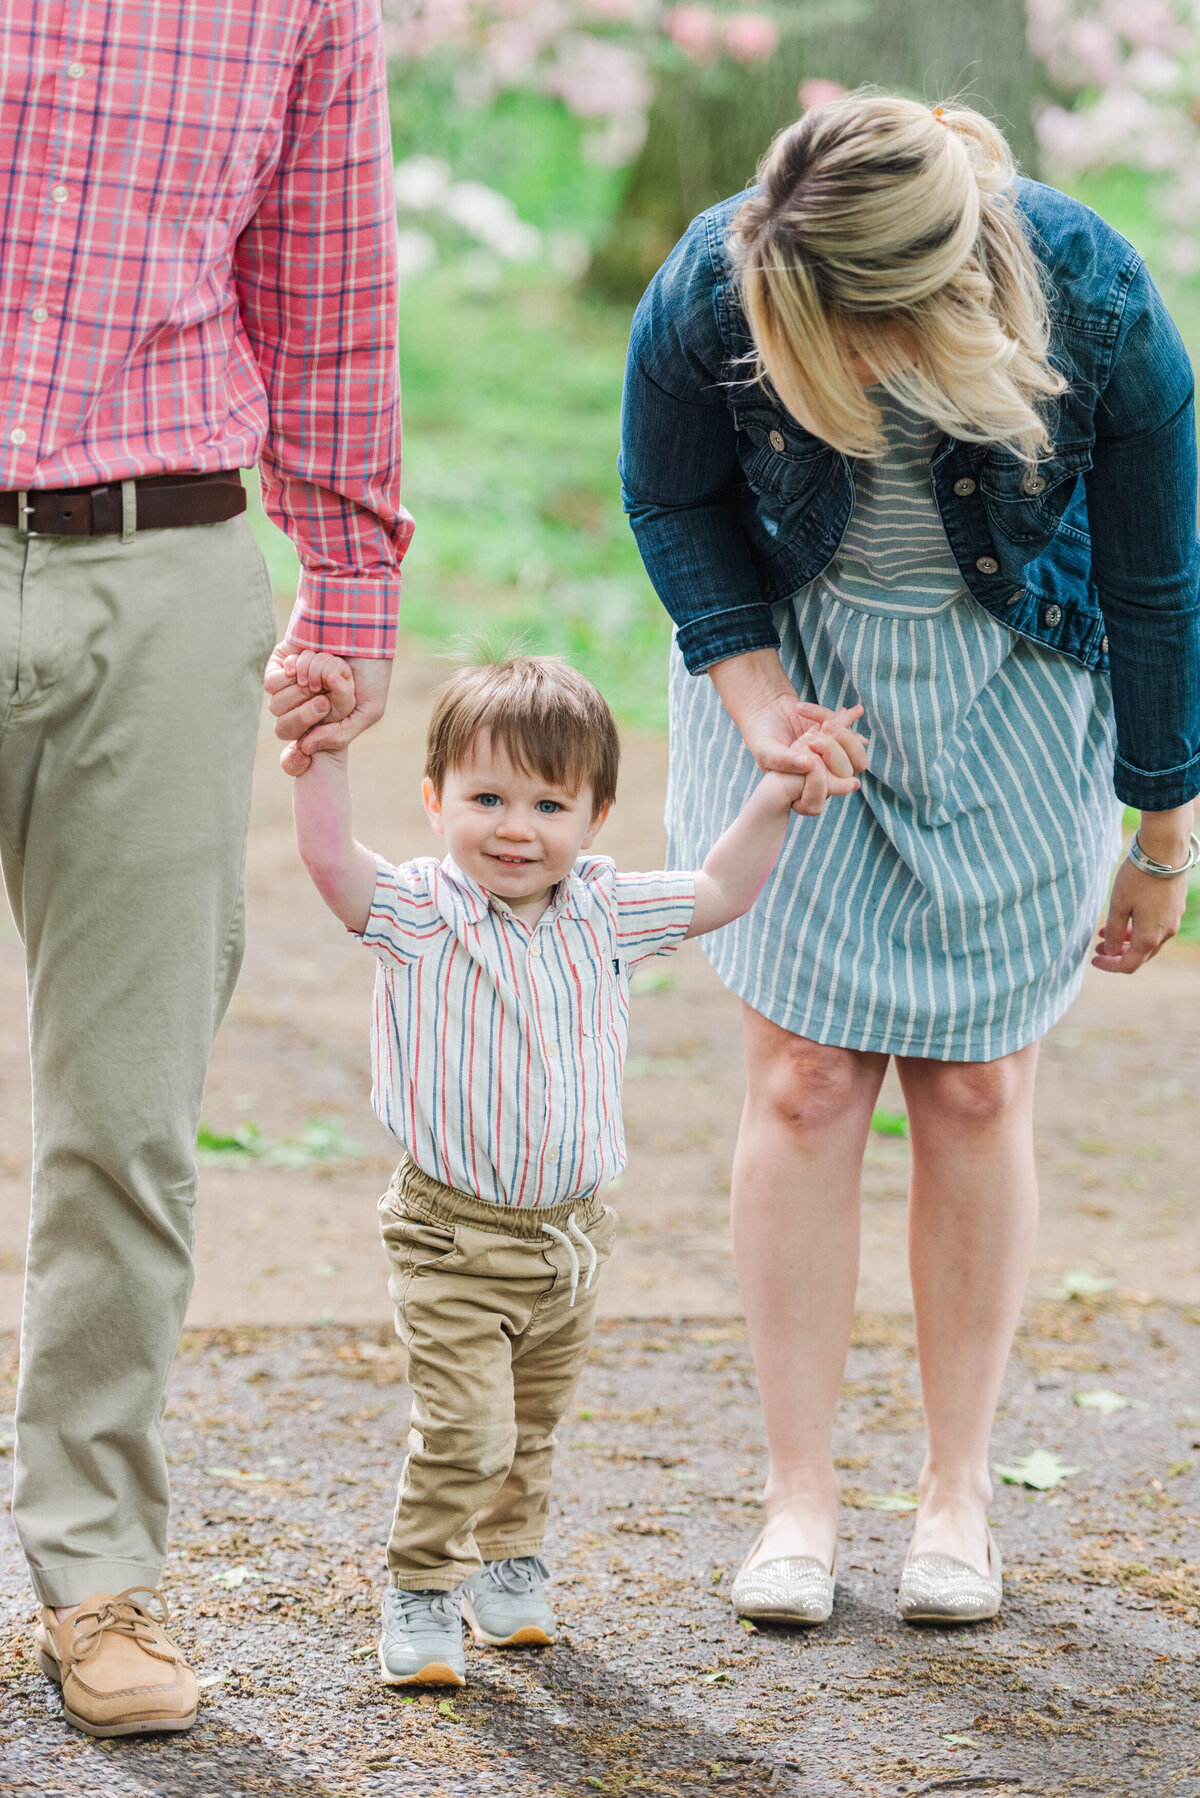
pixel 1159 790
pixel 347 615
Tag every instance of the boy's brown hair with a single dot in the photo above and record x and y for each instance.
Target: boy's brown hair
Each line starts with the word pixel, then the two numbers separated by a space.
pixel 540 711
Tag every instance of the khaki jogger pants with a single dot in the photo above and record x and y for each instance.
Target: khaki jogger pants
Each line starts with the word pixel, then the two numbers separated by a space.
pixel 495 1349
pixel 130 691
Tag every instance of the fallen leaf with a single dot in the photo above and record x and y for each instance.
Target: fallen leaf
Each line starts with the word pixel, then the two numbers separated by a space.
pixel 234 1577
pixel 233 1473
pixel 717 1679
pixel 1077 1283
pixel 1179 1467
pixel 446 1709
pixel 215 1679
pixel 1107 1402
pixel 1040 1470
pixel 960 1741
pixel 889 1501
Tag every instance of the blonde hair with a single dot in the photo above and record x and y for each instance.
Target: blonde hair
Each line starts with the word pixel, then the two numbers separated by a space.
pixel 889 229
pixel 546 717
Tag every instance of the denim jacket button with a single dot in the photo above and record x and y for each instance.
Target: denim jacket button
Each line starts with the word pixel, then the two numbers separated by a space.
pixel 1015 598
pixel 964 488
pixel 988 565
pixel 1052 615
pixel 778 441
pixel 1104 646
pixel 1033 483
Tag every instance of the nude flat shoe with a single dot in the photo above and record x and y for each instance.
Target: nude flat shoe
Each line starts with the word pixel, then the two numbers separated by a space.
pixel 942 1589
pixel 792 1589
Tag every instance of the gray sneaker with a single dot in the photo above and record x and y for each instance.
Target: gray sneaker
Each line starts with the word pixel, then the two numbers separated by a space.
pixel 504 1605
pixel 422 1642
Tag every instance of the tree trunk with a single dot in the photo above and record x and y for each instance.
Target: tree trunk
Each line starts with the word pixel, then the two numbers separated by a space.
pixel 709 126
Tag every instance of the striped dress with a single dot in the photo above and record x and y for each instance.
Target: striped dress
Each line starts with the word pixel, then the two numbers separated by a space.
pixel 946 909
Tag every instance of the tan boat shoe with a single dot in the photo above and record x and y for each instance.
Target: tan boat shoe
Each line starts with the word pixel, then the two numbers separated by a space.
pixel 120 1672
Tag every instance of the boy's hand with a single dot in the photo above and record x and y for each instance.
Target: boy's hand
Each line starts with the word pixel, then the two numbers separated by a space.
pixel 835 752
pixel 320 683
pixel 321 702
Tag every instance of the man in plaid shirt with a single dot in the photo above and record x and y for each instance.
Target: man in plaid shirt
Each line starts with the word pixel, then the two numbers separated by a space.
pixel 197 274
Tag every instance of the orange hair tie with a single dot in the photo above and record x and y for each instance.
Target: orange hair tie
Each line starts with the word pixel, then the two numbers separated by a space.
pixel 940 116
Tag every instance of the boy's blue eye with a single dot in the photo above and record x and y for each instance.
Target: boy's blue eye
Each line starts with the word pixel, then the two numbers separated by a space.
pixel 487 799
pixel 548 805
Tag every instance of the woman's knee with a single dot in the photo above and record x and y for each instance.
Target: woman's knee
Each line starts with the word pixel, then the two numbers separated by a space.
pixel 805 1086
pixel 971 1094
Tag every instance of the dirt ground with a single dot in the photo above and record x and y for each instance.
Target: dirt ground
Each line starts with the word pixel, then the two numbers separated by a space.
pixel 285 1448
pixel 1118 1120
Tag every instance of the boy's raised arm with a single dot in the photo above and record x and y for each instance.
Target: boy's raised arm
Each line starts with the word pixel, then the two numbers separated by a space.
pixel 343 871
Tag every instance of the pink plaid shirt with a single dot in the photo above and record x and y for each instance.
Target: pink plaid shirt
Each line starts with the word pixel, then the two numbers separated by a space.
pixel 197 271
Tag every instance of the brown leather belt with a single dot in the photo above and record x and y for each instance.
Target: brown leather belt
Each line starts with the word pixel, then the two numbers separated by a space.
pixel 164 501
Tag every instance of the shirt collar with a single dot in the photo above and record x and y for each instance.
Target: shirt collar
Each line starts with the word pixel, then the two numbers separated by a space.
pixel 569 899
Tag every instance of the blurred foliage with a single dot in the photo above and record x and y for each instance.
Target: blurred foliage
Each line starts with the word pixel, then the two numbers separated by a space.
pixel 710 124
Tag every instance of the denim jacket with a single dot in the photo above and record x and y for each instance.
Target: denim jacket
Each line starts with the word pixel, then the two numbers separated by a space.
pixel 736 507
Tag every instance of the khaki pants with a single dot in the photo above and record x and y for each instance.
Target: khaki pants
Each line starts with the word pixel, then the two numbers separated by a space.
pixel 495 1350
pixel 129 701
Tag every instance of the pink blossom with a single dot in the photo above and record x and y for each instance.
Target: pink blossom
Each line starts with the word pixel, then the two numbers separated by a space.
pixel 598 78
pixel 751 37
pixel 696 30
pixel 816 91
pixel 1096 48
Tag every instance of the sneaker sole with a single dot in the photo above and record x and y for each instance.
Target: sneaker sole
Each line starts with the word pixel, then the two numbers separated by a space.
pixel 946 1619
pixel 434 1673
pixel 135 1726
pixel 530 1635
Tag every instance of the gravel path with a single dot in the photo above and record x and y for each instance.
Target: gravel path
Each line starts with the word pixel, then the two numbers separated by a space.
pixel 285 1447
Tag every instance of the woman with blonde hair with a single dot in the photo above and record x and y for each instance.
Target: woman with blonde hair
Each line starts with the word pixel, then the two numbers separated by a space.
pixel 904 429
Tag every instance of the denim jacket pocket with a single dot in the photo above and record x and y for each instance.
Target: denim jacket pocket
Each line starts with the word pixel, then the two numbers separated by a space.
pixel 1027 503
pixel 778 458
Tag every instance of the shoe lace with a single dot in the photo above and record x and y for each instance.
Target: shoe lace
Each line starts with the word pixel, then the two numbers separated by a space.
pixel 422 1610
pixel 123 1615
pixel 519 1573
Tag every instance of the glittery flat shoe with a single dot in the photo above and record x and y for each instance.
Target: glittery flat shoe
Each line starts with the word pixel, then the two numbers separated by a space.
pixel 942 1589
pixel 792 1589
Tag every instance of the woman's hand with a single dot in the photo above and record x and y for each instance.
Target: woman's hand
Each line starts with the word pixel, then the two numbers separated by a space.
pixel 1146 911
pixel 775 722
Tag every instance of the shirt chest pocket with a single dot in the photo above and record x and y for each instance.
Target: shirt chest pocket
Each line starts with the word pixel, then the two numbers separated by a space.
pixel 590 982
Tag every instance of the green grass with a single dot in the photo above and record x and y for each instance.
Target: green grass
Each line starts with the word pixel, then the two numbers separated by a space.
pixel 511 427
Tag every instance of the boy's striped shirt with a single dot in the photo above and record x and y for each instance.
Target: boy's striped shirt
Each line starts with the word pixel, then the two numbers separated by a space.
pixel 498 1050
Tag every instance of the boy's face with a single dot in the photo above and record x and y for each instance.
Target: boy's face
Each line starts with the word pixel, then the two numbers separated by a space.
pixel 512 831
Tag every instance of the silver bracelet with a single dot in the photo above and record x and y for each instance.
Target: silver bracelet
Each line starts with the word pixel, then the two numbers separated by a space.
pixel 1161 870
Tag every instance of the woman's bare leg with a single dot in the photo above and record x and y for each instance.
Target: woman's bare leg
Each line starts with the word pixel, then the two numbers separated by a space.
pixel 972 1225
pixel 797 1176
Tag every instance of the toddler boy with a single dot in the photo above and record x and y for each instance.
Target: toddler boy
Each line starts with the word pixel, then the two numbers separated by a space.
pixel 499 1033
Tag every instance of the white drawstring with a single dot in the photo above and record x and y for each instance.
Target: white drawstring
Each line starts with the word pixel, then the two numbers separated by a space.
pixel 592 1256
pixel 589 1249
pixel 561 1236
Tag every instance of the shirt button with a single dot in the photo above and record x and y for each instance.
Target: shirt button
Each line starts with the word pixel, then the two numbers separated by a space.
pixel 1052 615
pixel 58 194
pixel 75 70
pixel 552 1051
pixel 1033 483
pixel 551 1155
pixel 778 441
pixel 17 435
pixel 534 949
pixel 987 565
pixel 964 488
pixel 40 314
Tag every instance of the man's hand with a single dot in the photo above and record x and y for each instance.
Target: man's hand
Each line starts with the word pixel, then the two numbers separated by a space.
pixel 321 701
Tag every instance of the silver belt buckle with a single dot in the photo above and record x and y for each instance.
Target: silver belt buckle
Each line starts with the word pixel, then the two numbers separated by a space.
pixel 24 514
